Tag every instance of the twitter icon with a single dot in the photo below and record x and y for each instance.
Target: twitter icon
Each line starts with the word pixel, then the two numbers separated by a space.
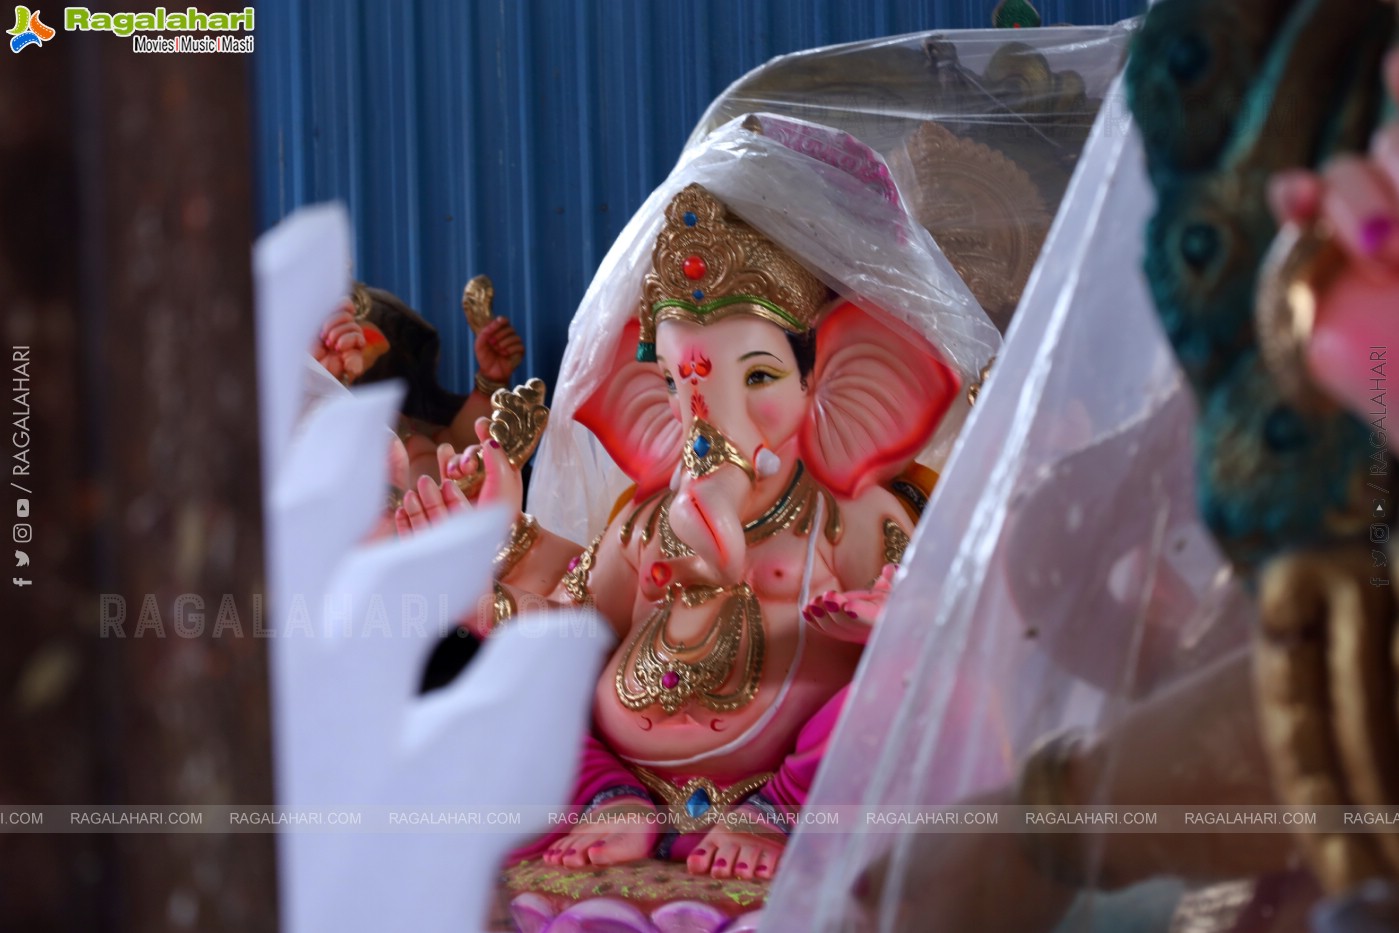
pixel 21 559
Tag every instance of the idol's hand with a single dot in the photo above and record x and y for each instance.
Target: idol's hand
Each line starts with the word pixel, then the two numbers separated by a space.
pixel 428 503
pixel 502 482
pixel 387 525
pixel 849 616
pixel 1357 198
pixel 340 347
pixel 499 350
pixel 398 464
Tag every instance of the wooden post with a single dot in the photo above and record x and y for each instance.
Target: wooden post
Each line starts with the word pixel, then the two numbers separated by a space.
pixel 125 243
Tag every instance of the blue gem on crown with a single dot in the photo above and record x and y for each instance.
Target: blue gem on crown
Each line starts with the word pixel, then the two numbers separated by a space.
pixel 698 294
pixel 701 447
pixel 690 219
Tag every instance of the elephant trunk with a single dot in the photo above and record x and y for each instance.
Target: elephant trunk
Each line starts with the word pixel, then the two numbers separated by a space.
pixel 706 515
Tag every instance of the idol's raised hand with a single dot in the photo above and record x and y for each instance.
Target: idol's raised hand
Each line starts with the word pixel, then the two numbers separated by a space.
pixel 1355 199
pixel 432 501
pixel 499 350
pixel 340 345
pixel 502 482
pixel 427 503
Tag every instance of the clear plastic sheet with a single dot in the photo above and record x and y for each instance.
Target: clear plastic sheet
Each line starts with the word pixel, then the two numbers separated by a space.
pixel 846 227
pixel 981 129
pixel 1059 574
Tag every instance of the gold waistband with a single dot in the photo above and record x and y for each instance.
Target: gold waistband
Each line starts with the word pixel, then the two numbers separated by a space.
pixel 699 803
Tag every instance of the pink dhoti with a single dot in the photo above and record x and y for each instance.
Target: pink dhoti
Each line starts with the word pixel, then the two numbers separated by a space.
pixel 603 777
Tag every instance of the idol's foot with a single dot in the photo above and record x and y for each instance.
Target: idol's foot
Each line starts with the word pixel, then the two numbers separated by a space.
pixel 624 832
pixel 723 853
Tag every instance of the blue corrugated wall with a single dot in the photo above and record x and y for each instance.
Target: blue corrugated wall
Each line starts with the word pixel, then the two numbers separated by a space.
pixel 515 137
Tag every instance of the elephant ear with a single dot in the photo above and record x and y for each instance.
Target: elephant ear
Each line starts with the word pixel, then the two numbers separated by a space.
pixel 879 394
pixel 631 415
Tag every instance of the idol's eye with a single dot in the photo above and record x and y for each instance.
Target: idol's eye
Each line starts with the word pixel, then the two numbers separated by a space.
pixel 669 384
pixel 763 375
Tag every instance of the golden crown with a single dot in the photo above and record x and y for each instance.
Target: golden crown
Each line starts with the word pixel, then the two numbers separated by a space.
pixel 709 264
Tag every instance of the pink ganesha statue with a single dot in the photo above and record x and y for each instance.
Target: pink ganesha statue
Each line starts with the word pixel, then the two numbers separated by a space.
pixel 770 431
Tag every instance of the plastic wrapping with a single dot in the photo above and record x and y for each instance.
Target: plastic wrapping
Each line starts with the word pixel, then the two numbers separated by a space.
pixel 1058 575
pixel 981 129
pixel 838 216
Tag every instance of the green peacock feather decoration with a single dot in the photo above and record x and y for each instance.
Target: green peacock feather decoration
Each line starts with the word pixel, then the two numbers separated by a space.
pixel 1225 95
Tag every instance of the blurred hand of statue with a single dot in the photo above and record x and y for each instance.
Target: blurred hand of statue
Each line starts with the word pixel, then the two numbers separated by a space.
pixel 432 501
pixel 499 350
pixel 340 346
pixel 1357 322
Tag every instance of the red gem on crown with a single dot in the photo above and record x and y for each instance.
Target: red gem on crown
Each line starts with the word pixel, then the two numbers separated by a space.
pixel 694 268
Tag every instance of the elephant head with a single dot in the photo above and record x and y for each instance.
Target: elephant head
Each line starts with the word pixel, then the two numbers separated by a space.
pixel 740 368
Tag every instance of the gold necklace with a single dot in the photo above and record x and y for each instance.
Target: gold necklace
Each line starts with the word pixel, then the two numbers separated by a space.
pixel 655 669
pixel 658 523
pixel 796 506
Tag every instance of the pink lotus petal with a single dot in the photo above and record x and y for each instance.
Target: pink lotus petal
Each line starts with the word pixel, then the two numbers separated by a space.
pixel 689 917
pixel 748 923
pixel 531 912
pixel 602 915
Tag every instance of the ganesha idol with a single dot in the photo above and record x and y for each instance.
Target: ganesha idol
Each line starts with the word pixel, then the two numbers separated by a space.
pixel 769 430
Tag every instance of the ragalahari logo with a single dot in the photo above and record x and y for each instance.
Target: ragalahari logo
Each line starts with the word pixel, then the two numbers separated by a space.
pixel 29 29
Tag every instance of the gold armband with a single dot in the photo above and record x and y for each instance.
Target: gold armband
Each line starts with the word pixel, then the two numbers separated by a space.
pixel 523 535
pixel 575 579
pixel 488 387
pixel 502 606
pixel 895 542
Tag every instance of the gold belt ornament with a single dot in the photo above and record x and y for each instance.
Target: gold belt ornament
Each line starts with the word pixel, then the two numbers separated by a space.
pixel 523 535
pixel 699 803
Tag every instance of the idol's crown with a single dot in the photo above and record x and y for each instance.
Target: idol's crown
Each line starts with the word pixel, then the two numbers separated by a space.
pixel 709 264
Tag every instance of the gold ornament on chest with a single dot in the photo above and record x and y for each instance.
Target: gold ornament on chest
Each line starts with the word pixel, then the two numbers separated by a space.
pixel 658 669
